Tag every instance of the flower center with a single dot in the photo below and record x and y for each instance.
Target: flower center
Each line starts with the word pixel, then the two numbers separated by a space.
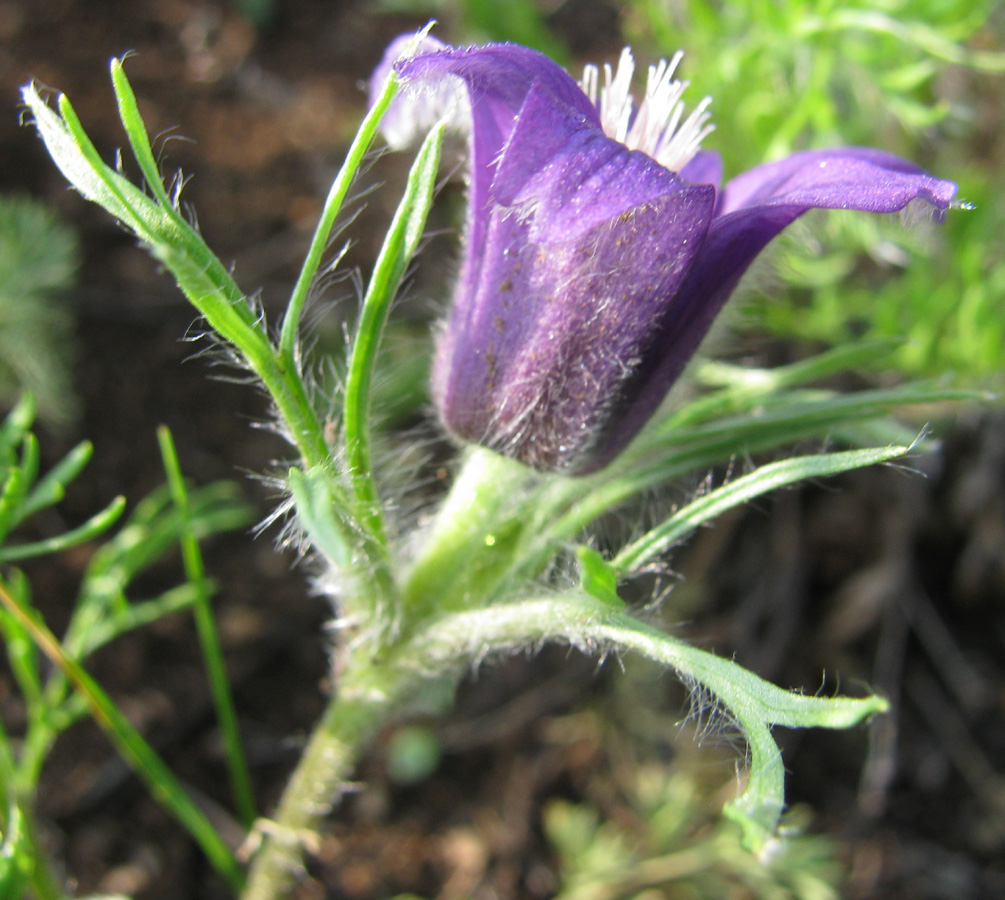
pixel 656 126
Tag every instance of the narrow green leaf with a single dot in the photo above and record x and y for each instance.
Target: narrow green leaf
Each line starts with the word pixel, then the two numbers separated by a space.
pixel 17 423
pixel 97 181
pixel 399 247
pixel 51 487
pixel 135 615
pixel 136 131
pixel 204 280
pixel 10 501
pixel 598 577
pixel 29 459
pixel 660 455
pixel 753 703
pixel 209 638
pixel 765 479
pixel 333 206
pixel 316 513
pixel 22 655
pixel 94 526
pixel 140 756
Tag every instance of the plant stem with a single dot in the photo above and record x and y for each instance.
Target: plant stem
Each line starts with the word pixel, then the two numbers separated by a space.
pixel 464 538
pixel 367 696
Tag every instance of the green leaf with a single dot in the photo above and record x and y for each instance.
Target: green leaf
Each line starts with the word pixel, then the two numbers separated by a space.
pixel 598 577
pixel 17 423
pixel 204 280
pixel 333 206
pixel 93 527
pixel 136 131
pixel 12 494
pixel 51 488
pixel 753 703
pixel 209 637
pixel 315 507
pixel 765 479
pixel 400 245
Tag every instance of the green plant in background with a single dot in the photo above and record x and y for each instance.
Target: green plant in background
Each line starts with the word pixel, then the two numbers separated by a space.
pixel 803 73
pixel 909 76
pixel 38 260
pixel 55 689
pixel 674 845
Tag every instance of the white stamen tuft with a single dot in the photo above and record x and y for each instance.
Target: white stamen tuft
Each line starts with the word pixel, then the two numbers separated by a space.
pixel 655 127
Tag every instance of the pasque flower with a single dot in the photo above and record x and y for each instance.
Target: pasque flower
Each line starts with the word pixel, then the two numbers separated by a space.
pixel 599 246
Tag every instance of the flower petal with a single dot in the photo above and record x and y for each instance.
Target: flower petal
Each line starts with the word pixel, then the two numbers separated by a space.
pixel 705 167
pixel 758 204
pixel 752 210
pixel 584 243
pixel 413 114
pixel 498 78
pixel 846 178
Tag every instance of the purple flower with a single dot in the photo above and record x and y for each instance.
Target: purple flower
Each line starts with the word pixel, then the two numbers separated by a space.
pixel 599 247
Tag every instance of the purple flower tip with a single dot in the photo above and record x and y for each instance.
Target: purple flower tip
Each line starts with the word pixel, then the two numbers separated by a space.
pixel 598 245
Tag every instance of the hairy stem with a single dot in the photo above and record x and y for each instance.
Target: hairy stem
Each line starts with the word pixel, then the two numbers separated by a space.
pixel 368 695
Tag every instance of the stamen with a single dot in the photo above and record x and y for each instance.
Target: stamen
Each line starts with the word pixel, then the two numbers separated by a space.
pixel 655 127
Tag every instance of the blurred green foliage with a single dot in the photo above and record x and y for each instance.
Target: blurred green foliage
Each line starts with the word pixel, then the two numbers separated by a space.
pixel 43 701
pixel 670 842
pixel 905 76
pixel 790 74
pixel 38 260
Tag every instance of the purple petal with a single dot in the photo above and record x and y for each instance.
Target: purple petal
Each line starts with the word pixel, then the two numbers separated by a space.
pixel 498 78
pixel 758 204
pixel 584 243
pixel 847 178
pixel 754 208
pixel 412 113
pixel 705 167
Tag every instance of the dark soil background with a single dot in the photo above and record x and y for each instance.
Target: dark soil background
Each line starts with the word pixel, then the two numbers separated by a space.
pixel 887 578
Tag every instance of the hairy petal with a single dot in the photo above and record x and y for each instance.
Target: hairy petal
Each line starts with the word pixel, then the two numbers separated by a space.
pixel 419 107
pixel 705 167
pixel 752 210
pixel 845 178
pixel 498 78
pixel 585 242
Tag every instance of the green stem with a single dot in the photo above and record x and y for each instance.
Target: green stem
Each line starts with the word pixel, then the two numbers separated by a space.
pixel 464 539
pixel 367 697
